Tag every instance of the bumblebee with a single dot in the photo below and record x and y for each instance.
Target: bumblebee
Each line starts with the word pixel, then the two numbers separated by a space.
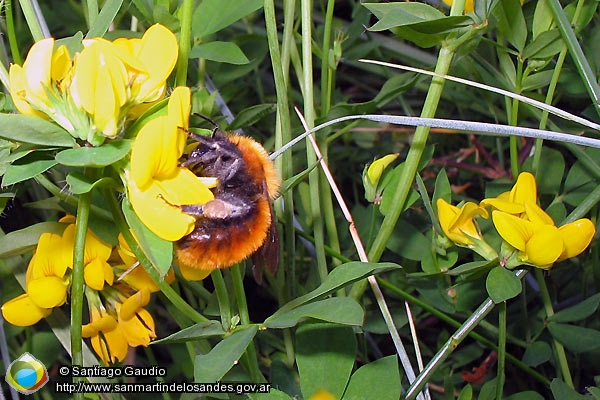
pixel 239 221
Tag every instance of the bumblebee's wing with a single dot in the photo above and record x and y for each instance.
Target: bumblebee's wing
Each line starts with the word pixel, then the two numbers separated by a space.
pixel 267 256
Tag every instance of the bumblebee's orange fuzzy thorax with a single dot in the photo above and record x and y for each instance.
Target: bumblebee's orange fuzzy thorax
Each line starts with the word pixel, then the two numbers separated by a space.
pixel 257 159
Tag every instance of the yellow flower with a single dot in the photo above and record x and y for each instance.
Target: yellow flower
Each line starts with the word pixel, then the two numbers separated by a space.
pixel 107 338
pixel 92 95
pixel 539 242
pixel 457 223
pixel 37 87
pixel 523 192
pixel 372 174
pixel 22 311
pixel 157 185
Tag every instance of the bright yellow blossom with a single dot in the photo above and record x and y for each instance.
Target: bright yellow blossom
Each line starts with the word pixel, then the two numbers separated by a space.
pixel 322 394
pixel 538 240
pixel 157 185
pixel 105 84
pixel 107 339
pixel 457 222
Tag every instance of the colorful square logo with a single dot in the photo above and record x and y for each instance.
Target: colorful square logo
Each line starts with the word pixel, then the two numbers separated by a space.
pixel 27 374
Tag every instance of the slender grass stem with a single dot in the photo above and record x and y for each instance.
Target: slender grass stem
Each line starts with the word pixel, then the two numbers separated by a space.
pixel 559 350
pixel 222 297
pixel 410 167
pixel 500 376
pixel 77 281
pixel 11 33
pixel 240 296
pixel 187 9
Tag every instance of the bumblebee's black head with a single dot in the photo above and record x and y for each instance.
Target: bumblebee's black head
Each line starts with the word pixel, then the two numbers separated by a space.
pixel 215 156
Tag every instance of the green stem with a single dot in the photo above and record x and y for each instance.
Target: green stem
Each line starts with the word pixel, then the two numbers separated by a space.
pixel 559 350
pixel 326 75
pixel 587 74
pixel 92 12
pixel 10 30
pixel 77 281
pixel 410 166
pixel 240 296
pixel 501 349
pixel 283 134
pixel 187 9
pixel 223 298
pixel 512 120
pixel 32 21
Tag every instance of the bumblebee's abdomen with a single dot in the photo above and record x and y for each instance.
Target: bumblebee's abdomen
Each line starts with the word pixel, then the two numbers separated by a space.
pixel 223 243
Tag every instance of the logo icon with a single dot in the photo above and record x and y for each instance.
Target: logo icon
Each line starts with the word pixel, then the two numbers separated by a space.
pixel 27 374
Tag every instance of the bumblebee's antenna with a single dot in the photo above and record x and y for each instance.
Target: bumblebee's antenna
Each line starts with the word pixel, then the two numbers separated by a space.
pixel 207 119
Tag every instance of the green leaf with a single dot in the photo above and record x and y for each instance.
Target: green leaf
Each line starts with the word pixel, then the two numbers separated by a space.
pixel 502 284
pixel 26 239
pixel 594 391
pixel 511 22
pixel 340 310
pixel 379 380
pixel 537 353
pixel 158 251
pixel 575 338
pixel 411 243
pixel 527 395
pixel 545 46
pixel 251 115
pixel 549 178
pixel 211 16
pixel 226 52
pixel 100 156
pixel 578 312
pixel 340 277
pixel 560 390
pixel 105 18
pixel 29 129
pixel 325 356
pixel 420 23
pixel 542 19
pixel 213 366
pixel 201 330
pixel 466 393
pixel 472 266
pixel 26 168
pixel 80 183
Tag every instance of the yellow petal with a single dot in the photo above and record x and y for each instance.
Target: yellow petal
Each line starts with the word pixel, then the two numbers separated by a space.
pixel 165 220
pixel 158 52
pixel 194 274
pixel 184 188
pixel 544 247
pixel 514 230
pixel 134 303
pixel 48 292
pixel 111 346
pixel 37 67
pixel 104 323
pixel 524 190
pixel 576 237
pixel 377 167
pixel 96 248
pixel 96 273
pixel 21 311
pixel 503 205
pixel 179 113
pixel 322 394
pixel 155 152
pixel 61 64
pixel 136 332
pixel 536 215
